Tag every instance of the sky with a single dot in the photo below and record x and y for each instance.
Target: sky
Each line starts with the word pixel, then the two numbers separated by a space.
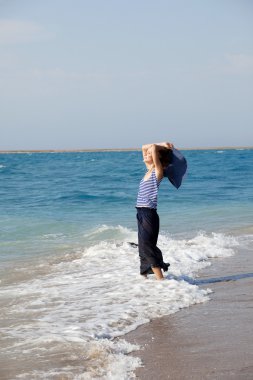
pixel 85 74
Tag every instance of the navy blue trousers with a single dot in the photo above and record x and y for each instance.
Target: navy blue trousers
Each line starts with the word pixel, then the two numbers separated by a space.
pixel 148 230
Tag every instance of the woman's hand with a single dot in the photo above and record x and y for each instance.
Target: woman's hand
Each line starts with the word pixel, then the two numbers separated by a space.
pixel 164 145
pixel 167 145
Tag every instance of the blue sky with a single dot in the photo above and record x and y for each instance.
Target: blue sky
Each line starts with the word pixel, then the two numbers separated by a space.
pixel 117 74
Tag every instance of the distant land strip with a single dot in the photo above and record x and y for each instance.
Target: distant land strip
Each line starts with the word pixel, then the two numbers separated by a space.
pixel 113 149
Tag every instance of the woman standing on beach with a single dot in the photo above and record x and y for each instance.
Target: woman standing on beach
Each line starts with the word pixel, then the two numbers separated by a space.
pixel 156 158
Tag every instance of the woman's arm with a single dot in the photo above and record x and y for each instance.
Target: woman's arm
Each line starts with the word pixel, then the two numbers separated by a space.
pixel 155 149
pixel 156 159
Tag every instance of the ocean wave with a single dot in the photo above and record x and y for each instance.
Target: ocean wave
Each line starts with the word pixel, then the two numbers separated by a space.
pixel 107 233
pixel 53 236
pixel 81 305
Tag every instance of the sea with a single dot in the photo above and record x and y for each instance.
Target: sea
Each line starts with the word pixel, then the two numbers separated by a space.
pixel 70 286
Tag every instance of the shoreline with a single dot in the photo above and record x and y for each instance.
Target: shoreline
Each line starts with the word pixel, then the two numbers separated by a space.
pixel 10 151
pixel 212 340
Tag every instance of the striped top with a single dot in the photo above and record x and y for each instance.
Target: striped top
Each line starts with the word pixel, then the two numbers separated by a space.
pixel 148 190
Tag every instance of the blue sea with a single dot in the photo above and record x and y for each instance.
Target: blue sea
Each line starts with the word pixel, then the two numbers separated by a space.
pixel 70 286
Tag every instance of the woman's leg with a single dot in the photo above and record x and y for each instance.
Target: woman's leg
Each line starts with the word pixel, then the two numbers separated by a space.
pixel 158 273
pixel 148 229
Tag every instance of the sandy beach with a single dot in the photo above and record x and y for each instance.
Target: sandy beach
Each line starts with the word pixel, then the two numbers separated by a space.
pixel 213 340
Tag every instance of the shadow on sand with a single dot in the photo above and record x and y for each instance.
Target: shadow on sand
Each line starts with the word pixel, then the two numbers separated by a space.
pixel 211 280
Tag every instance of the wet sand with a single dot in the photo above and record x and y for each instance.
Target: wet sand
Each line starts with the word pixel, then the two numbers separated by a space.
pixel 213 340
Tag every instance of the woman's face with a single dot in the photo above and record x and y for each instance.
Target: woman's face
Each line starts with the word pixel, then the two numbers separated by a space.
pixel 148 157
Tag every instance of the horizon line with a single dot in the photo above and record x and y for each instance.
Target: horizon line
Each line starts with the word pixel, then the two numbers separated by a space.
pixel 112 149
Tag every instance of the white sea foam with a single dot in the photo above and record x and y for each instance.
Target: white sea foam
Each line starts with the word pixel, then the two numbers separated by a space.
pixel 53 236
pixel 78 311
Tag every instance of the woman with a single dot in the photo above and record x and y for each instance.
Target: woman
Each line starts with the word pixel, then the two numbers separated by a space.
pixel 156 158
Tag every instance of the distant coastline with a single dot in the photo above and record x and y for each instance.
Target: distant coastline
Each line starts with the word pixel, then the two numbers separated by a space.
pixel 113 149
